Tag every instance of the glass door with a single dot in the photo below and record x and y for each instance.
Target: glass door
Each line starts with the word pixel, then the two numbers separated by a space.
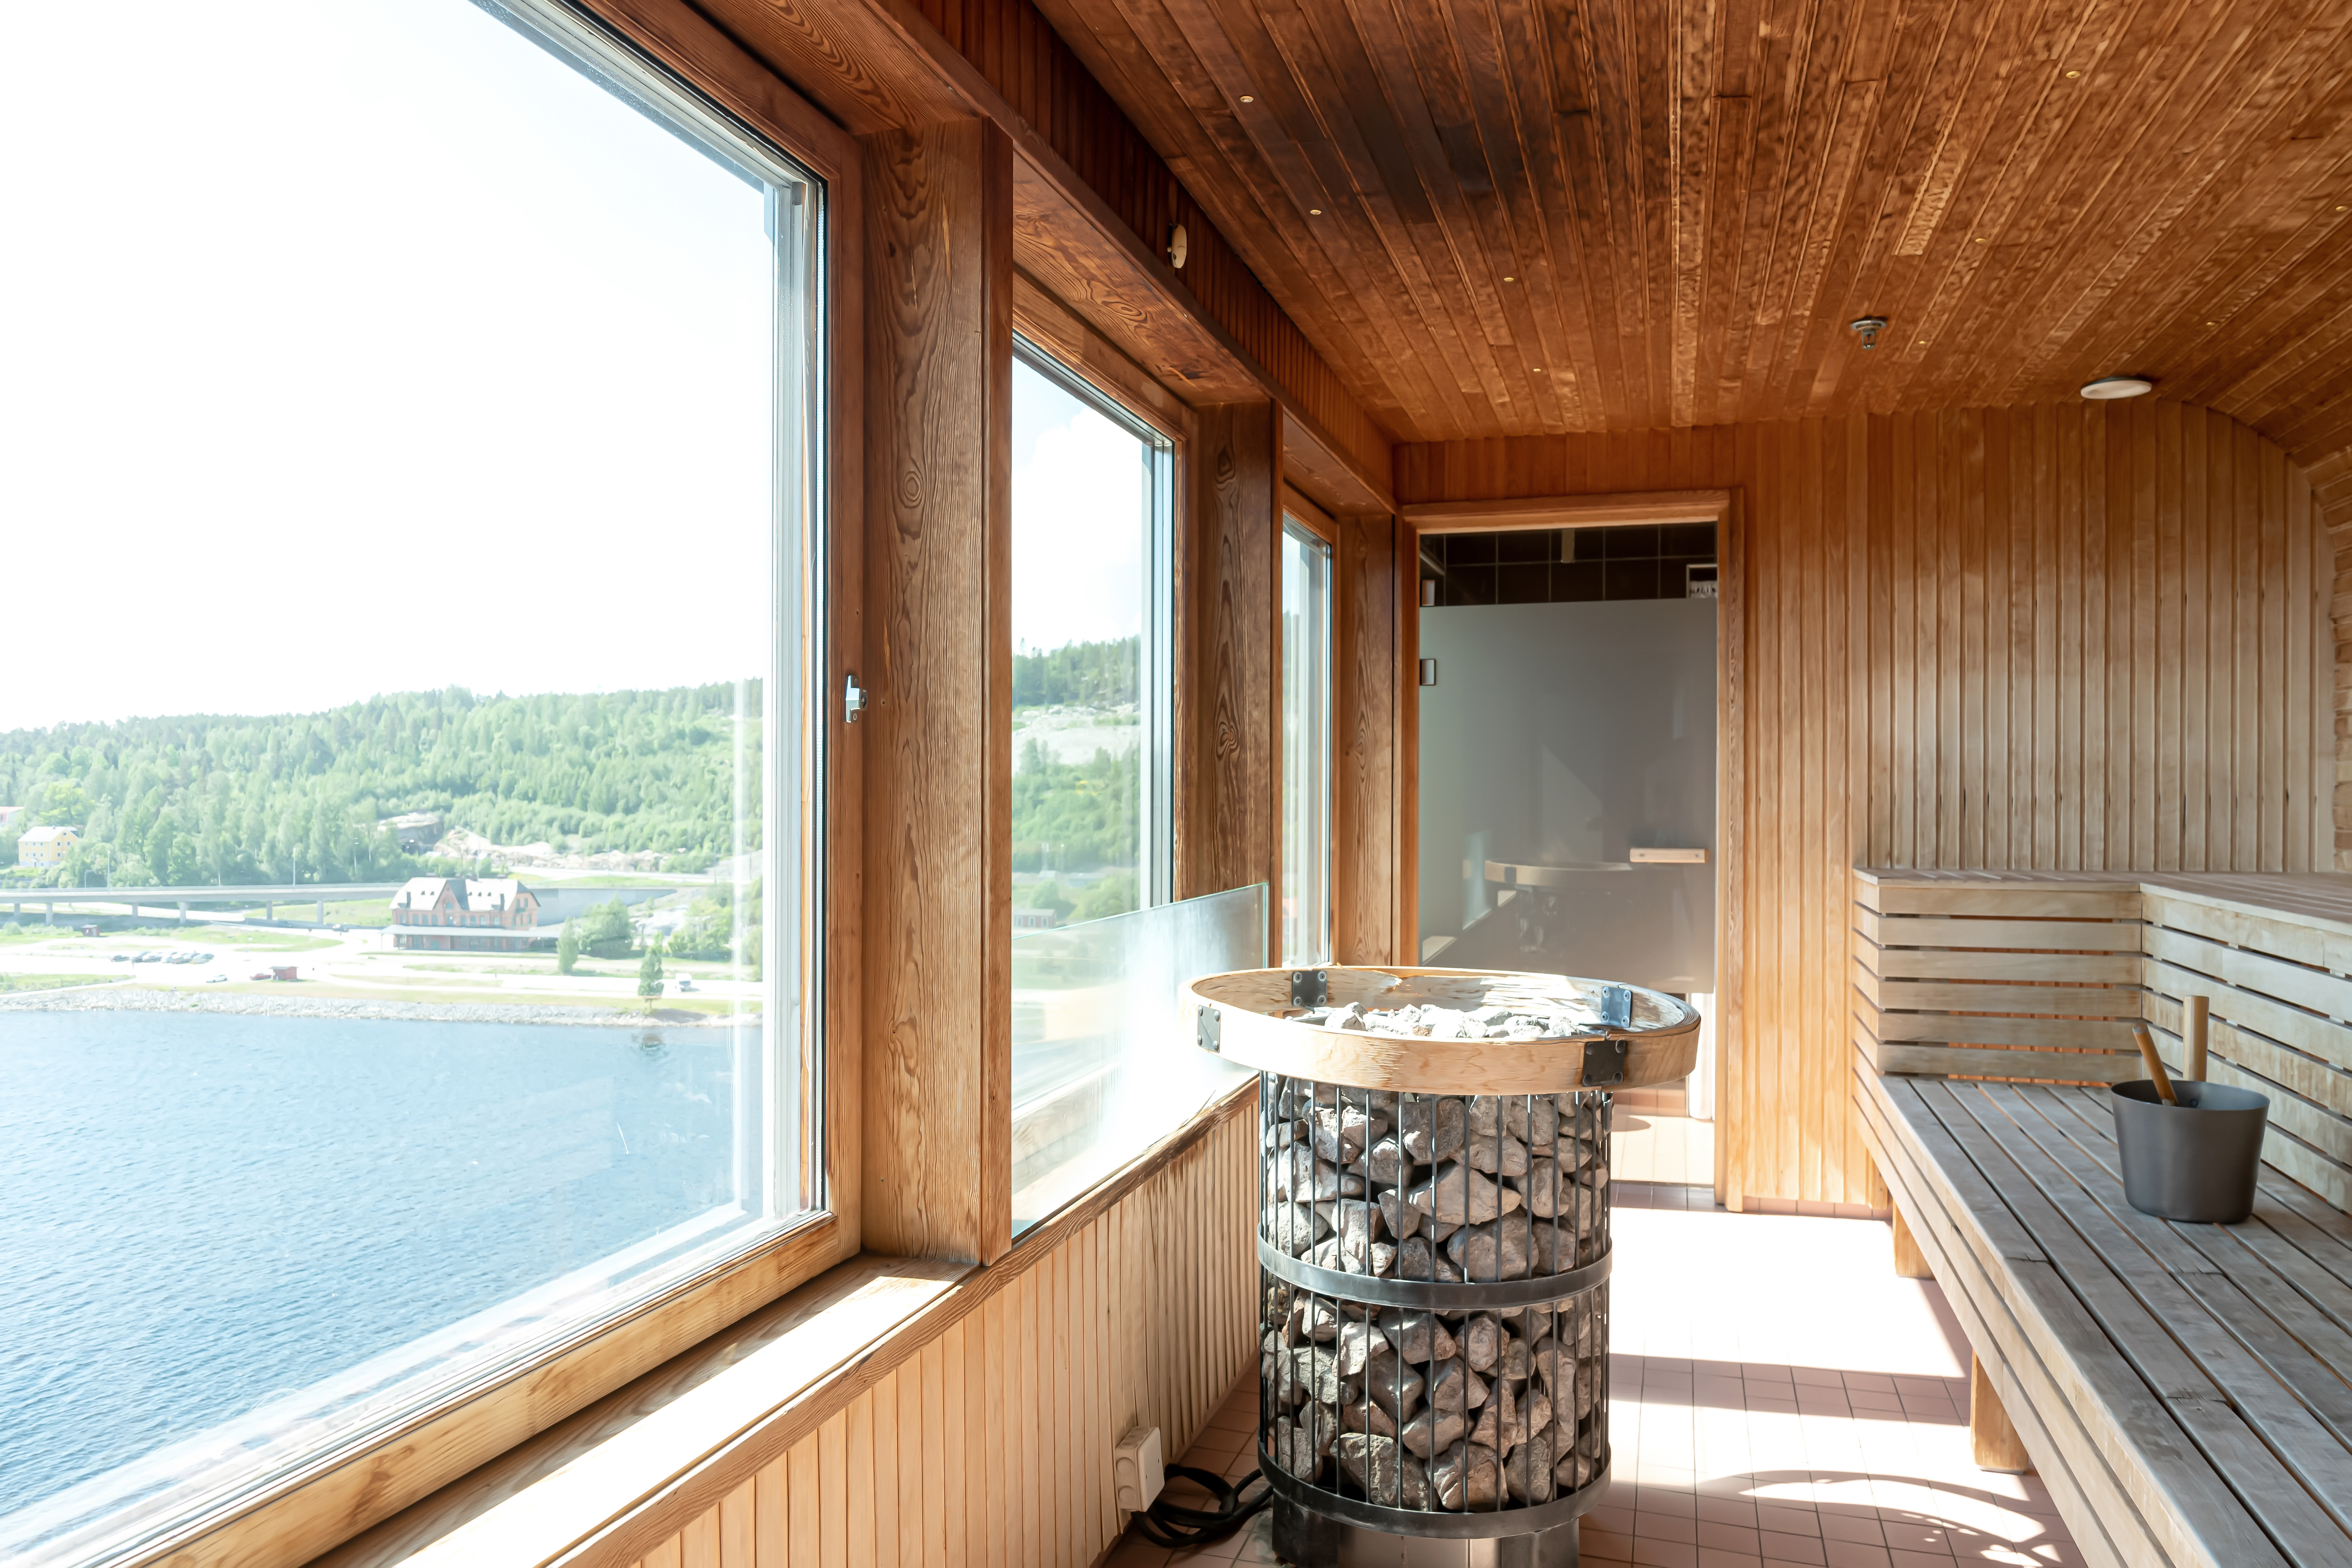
pixel 1568 755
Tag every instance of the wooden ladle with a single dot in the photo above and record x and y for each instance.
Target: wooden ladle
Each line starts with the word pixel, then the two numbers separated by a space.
pixel 2155 1065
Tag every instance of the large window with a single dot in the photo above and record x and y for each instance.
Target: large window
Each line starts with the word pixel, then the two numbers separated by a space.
pixel 1100 1063
pixel 407 951
pixel 1092 506
pixel 1306 891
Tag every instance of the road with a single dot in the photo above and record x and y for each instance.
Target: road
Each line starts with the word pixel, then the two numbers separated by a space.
pixel 360 961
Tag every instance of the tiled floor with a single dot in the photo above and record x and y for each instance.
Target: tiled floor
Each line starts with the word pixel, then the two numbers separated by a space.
pixel 1645 1146
pixel 1777 1395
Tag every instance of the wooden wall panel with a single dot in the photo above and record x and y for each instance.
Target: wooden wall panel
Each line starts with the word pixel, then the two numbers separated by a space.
pixel 937 1049
pixel 990 1444
pixel 1014 46
pixel 2067 637
pixel 1228 748
pixel 1366 851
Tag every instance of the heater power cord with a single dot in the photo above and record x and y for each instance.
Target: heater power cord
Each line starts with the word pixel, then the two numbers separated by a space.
pixel 1170 1524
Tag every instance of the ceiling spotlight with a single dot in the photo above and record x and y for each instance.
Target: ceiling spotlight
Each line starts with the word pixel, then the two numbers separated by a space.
pixel 1247 99
pixel 2109 387
pixel 1314 212
pixel 1508 279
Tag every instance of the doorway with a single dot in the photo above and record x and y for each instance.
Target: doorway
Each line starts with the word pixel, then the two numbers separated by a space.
pixel 1567 758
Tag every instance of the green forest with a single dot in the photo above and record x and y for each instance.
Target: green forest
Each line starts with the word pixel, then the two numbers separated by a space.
pixel 272 800
pixel 1076 817
pixel 228 800
pixel 1082 674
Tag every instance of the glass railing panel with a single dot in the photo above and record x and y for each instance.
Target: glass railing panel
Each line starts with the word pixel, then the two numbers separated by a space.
pixel 1103 1058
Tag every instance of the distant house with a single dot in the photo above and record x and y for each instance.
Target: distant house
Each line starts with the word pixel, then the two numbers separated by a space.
pixel 47 845
pixel 9 816
pixel 1034 918
pixel 465 914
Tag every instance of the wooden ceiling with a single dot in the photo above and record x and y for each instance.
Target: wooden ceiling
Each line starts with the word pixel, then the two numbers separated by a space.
pixel 1548 215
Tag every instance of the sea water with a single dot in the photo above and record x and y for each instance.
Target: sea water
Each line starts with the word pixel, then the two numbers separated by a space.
pixel 201 1212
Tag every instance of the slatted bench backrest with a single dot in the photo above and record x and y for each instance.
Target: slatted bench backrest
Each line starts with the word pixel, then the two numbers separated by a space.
pixel 2041 976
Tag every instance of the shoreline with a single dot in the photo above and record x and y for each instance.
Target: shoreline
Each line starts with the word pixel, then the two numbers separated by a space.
pixel 140 999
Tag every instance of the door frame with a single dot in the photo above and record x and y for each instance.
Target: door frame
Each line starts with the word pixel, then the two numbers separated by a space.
pixel 1615 509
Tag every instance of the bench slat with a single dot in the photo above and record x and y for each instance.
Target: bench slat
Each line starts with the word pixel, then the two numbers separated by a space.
pixel 2090 1493
pixel 2141 1480
pixel 2175 1341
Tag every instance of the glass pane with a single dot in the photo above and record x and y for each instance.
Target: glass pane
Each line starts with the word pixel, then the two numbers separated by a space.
pixel 1305 747
pixel 1103 1055
pixel 1086 506
pixel 1562 747
pixel 395 970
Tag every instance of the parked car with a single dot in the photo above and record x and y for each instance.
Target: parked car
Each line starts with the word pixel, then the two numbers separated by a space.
pixel 259 974
pixel 121 958
pixel 149 958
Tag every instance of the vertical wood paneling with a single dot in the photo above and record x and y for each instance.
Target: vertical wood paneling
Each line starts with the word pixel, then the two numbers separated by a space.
pixel 2070 637
pixel 937 1063
pixel 1226 833
pixel 1145 1315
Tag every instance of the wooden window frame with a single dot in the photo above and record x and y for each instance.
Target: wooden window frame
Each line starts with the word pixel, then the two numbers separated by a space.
pixel 342 1490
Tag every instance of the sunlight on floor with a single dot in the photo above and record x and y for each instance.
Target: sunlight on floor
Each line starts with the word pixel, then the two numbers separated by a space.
pixel 1779 1397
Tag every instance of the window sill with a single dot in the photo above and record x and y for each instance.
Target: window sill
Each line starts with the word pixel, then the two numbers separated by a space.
pixel 604 1485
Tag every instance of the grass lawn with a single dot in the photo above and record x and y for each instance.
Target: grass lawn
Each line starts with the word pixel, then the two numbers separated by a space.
pixel 259 938
pixel 18 984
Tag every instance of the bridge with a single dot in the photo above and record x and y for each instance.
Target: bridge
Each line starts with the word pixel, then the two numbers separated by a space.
pixel 179 899
pixel 558 902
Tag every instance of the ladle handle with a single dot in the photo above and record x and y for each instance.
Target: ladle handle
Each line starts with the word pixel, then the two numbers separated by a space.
pixel 2199 1007
pixel 2155 1063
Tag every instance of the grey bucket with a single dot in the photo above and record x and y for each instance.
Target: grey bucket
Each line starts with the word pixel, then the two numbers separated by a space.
pixel 2195 1160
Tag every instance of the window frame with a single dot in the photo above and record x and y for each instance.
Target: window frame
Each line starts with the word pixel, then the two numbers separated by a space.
pixel 1298 515
pixel 1155 679
pixel 342 1488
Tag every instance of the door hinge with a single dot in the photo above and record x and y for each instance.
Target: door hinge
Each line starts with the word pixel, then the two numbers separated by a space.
pixel 853 702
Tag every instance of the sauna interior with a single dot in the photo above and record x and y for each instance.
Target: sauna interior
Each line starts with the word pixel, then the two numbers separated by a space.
pixel 768 582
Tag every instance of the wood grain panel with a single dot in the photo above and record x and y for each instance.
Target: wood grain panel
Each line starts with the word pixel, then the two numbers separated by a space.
pixel 939 339
pixel 1948 622
pixel 1228 749
pixel 1365 795
pixel 1628 215
pixel 990 1441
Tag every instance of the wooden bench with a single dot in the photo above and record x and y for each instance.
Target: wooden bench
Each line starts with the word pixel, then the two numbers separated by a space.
pixel 2184 1390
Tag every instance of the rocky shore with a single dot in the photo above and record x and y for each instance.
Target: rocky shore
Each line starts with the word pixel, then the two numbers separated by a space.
pixel 140 999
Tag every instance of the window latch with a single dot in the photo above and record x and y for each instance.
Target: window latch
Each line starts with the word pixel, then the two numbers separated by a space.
pixel 853 702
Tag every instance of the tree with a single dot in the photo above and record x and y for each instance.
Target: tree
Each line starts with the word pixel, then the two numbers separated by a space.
pixel 649 971
pixel 567 948
pixel 606 931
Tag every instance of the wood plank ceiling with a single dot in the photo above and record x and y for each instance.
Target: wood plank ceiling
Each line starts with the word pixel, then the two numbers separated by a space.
pixel 1529 216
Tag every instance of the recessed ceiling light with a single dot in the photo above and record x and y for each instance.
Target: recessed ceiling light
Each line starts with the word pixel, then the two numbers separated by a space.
pixel 2109 387
pixel 1247 99
pixel 1508 279
pixel 2070 76
pixel 1314 212
pixel 1539 370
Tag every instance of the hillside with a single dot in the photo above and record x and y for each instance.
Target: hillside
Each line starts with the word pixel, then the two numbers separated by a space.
pixel 248 799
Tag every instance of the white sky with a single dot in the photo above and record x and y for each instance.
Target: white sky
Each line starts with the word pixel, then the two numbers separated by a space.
pixel 362 346
pixel 1078 516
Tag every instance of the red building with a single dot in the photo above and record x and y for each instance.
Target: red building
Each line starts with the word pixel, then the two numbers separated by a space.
pixel 465 914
